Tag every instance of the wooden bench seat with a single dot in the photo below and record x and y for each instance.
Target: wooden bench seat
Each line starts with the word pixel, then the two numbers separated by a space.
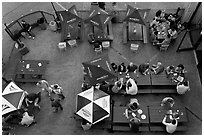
pixel 164 91
pixel 163 128
pixel 127 128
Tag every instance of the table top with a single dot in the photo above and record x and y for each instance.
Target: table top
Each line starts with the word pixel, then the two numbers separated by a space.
pixel 31 67
pixel 135 31
pixel 119 117
pixel 157 113
pixel 140 79
pixel 161 79
pixel 72 29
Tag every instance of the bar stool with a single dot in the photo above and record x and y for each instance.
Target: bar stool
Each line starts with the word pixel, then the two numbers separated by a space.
pixel 134 47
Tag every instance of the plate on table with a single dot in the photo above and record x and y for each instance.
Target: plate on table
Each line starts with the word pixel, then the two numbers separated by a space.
pixel 139 111
pixel 143 116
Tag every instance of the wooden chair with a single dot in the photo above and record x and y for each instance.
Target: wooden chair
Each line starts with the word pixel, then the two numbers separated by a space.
pixel 164 47
pixel 62 46
pixel 134 47
pixel 105 44
pixel 72 43
pixel 98 49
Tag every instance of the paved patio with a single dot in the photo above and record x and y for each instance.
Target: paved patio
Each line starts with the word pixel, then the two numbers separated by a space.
pixel 65 68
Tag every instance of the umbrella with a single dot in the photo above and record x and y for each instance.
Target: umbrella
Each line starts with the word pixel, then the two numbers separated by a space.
pixel 99 70
pixel 69 16
pixel 93 105
pixel 98 17
pixel 12 98
pixel 133 15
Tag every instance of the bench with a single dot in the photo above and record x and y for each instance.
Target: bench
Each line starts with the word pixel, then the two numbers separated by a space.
pixel 163 129
pixel 127 128
pixel 164 91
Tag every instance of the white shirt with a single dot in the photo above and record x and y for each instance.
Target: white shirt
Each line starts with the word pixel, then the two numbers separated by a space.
pixel 133 89
pixel 181 89
pixel 170 128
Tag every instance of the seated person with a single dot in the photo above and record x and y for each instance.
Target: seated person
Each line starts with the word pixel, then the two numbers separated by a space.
pixel 180 69
pixel 97 45
pixel 154 23
pixel 86 125
pixel 27 29
pixel 183 87
pixel 114 66
pixel 170 127
pixel 167 102
pixel 104 86
pixel 133 105
pixel 57 90
pixel 91 38
pixel 131 68
pixel 122 68
pixel 117 86
pixel 43 84
pixel 144 68
pixel 85 86
pixel 33 99
pixel 169 70
pixel 131 87
pixel 157 69
pixel 173 33
pixel 134 124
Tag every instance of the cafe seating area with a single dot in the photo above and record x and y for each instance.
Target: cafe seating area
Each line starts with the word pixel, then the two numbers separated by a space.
pixel 78 53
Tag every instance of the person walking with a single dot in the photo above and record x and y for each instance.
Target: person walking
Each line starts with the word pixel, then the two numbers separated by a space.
pixel 55 103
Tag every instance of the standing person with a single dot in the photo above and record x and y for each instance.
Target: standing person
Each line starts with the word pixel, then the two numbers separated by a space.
pixel 170 127
pixel 27 29
pixel 55 103
pixel 57 90
pixel 33 99
pixel 44 85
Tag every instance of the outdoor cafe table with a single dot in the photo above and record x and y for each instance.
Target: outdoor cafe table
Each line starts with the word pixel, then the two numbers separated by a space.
pixel 161 80
pixel 99 37
pixel 30 70
pixel 142 80
pixel 119 117
pixel 71 29
pixel 135 31
pixel 157 113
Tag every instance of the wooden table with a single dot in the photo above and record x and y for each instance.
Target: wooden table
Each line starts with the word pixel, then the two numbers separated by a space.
pixel 135 31
pixel 119 117
pixel 72 29
pixel 30 70
pixel 161 81
pixel 157 113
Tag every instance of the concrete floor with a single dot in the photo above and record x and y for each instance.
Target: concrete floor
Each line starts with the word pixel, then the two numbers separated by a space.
pixel 65 68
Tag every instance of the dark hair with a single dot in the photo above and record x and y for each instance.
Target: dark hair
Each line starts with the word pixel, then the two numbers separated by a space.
pixel 168 35
pixel 55 86
pixel 185 83
pixel 156 32
pixel 171 67
pixel 158 13
pixel 181 65
pixel 135 105
pixel 170 100
pixel 173 121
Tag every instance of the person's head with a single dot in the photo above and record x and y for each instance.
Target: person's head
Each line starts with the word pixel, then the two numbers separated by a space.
pixel 159 63
pixel 173 121
pixel 135 105
pixel 113 3
pixel 170 100
pixel 168 36
pixel 171 67
pixel 158 13
pixel 185 83
pixel 23 21
pixel 56 86
pixel 129 84
pixel 131 64
pixel 119 83
pixel 123 64
pixel 156 32
pixel 180 66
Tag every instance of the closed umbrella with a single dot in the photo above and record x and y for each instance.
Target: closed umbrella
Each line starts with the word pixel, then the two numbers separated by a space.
pixel 93 105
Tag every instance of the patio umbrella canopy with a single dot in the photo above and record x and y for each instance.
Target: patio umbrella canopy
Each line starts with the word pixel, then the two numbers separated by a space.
pixel 93 105
pixel 133 15
pixel 70 16
pixel 12 98
pixel 99 70
pixel 98 17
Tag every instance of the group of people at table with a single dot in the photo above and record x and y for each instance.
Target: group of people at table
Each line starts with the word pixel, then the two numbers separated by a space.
pixel 164 28
pixel 26 114
pixel 133 112
pixel 129 85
